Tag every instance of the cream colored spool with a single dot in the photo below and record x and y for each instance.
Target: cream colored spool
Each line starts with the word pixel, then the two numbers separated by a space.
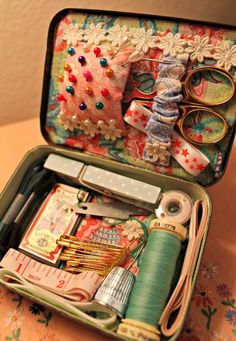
pixel 176 206
pixel 170 226
pixel 138 331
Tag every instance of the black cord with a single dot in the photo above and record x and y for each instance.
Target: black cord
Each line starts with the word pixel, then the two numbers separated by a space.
pixel 36 183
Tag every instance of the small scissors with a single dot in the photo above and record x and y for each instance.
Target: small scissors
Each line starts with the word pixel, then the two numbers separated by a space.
pixel 194 107
pixel 194 111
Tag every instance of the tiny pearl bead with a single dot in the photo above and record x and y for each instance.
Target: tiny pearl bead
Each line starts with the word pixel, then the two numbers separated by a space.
pixel 87 121
pixel 110 51
pixel 86 47
pixel 112 121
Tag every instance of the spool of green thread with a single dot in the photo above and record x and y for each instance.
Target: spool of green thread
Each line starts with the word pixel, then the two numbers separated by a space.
pixel 152 286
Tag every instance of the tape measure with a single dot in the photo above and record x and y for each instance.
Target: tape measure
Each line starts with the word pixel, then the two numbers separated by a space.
pixel 81 287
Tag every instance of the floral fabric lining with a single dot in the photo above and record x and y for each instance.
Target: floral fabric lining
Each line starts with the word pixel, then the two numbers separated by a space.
pixel 199 41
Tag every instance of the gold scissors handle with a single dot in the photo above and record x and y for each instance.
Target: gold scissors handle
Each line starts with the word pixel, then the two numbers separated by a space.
pixel 187 85
pixel 188 110
pixel 194 103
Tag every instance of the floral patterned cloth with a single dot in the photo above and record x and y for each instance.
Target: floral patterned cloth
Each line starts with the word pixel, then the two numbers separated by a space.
pixel 206 45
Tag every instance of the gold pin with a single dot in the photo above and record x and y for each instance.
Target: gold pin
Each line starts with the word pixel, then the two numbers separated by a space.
pixel 82 255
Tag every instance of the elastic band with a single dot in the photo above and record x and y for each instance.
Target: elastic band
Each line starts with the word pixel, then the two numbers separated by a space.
pixel 163 84
pixel 168 92
pixel 159 130
pixel 167 120
pixel 183 289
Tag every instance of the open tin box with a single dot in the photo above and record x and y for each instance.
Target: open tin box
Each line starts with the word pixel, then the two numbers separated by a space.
pixel 93 144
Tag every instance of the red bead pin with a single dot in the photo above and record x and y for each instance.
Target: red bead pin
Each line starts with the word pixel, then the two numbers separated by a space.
pixel 72 78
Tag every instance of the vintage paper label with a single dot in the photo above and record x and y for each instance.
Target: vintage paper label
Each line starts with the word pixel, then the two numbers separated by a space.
pixel 54 218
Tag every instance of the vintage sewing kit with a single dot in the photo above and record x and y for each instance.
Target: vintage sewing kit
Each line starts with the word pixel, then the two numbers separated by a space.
pixel 107 223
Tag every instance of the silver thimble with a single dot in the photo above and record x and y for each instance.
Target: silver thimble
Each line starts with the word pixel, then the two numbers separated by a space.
pixel 115 290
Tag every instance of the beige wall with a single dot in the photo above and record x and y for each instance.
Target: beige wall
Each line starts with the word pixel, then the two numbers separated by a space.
pixel 23 32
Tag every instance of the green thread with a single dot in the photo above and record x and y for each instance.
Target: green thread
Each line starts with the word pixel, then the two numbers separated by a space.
pixel 152 286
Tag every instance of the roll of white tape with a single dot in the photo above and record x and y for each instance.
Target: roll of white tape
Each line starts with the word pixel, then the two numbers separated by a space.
pixel 176 205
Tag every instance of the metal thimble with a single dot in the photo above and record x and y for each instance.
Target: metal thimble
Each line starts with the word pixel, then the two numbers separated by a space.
pixel 115 290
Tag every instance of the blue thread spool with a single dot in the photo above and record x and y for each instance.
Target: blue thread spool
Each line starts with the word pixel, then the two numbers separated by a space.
pixel 152 286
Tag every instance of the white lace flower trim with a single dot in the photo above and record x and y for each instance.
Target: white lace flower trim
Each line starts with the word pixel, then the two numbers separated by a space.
pixel 132 229
pixel 117 35
pixel 95 34
pixel 199 48
pixel 225 54
pixel 143 40
pixel 171 44
pixel 68 122
pixel 88 127
pixel 110 131
pixel 157 151
pixel 72 34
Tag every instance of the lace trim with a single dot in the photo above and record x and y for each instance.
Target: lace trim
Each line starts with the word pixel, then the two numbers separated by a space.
pixel 198 48
pixel 108 130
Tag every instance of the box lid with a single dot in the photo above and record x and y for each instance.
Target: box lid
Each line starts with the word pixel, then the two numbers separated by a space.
pixel 82 41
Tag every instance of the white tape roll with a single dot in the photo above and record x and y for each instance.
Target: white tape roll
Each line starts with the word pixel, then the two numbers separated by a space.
pixel 175 205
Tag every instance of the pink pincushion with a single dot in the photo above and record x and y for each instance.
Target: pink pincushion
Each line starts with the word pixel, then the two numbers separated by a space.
pixel 87 91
